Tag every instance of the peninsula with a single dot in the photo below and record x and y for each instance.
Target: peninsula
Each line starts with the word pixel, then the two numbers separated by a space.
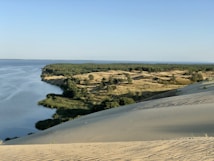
pixel 89 88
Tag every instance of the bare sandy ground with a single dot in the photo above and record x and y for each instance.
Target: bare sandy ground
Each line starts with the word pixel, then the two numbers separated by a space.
pixel 189 149
pixel 142 131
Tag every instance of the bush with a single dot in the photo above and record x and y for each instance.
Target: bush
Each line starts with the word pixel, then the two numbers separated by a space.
pixel 111 104
pixel 126 101
pixel 45 124
pixel 108 103
pixel 197 77
pixel 71 91
pixel 66 114
pixel 7 139
pixel 111 88
pixel 91 77
pixel 129 79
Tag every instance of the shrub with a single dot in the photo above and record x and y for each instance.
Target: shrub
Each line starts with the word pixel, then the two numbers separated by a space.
pixel 126 101
pixel 111 88
pixel 42 125
pixel 111 104
pixel 66 114
pixel 108 103
pixel 197 77
pixel 7 139
pixel 71 91
pixel 129 79
pixel 91 77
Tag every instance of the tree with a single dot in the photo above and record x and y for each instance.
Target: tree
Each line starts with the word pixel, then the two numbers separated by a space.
pixel 116 81
pixel 111 80
pixel 197 77
pixel 109 89
pixel 173 78
pixel 71 91
pixel 91 77
pixel 129 79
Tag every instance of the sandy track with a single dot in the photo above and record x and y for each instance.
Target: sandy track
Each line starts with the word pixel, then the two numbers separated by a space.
pixel 181 149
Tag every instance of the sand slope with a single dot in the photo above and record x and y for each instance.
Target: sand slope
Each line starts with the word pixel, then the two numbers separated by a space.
pixel 144 131
pixel 187 115
pixel 190 149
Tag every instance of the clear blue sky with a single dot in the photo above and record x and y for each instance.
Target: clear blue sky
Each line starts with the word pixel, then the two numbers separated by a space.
pixel 142 30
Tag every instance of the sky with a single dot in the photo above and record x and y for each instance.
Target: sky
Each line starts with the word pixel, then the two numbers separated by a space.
pixel 133 30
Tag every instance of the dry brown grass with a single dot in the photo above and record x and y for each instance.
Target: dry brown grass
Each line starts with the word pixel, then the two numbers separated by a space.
pixel 141 81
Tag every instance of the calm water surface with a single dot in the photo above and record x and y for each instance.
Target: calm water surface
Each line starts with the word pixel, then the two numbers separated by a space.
pixel 20 90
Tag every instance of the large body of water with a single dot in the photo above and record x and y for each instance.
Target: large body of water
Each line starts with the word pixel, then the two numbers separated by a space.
pixel 20 90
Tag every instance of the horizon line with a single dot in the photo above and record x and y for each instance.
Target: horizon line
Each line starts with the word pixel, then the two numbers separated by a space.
pixel 102 60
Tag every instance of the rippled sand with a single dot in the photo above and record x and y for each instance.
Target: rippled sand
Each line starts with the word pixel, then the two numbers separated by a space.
pixel 182 149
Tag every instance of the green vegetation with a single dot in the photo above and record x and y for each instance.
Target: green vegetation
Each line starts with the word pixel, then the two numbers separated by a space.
pixel 85 90
pixel 196 77
pixel 74 69
pixel 58 101
pixel 91 77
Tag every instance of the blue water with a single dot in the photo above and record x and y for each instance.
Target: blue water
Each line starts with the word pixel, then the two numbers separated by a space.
pixel 20 90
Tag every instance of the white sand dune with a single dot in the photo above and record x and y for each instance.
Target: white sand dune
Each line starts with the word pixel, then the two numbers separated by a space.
pixel 144 130
pixel 194 149
pixel 187 115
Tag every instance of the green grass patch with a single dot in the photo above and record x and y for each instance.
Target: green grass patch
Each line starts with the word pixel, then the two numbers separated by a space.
pixel 62 102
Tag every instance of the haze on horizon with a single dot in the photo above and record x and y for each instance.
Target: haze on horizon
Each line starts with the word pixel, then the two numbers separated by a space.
pixel 134 30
